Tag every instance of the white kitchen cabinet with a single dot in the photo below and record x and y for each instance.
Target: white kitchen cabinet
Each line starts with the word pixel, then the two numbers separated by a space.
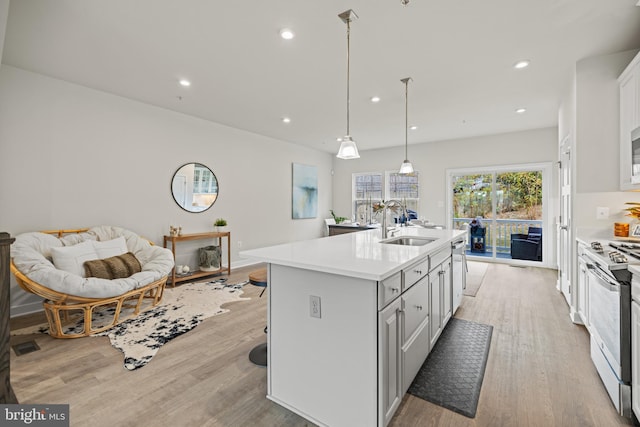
pixel 389 289
pixel 440 289
pixel 435 312
pixel 629 82
pixel 458 274
pixel 447 291
pixel 414 273
pixel 583 287
pixel 635 357
pixel 415 343
pixel 415 308
pixel 390 360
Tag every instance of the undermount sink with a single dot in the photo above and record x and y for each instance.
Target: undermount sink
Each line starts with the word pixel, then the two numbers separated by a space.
pixel 408 241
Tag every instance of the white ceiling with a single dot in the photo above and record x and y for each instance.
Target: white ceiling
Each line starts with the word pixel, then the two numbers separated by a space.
pixel 460 54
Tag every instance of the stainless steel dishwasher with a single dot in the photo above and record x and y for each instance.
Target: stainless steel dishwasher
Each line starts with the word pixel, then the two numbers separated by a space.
pixel 459 271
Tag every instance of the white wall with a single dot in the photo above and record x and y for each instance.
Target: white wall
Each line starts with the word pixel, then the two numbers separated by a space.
pixel 433 159
pixel 597 136
pixel 76 157
pixel 4 15
pixel 598 122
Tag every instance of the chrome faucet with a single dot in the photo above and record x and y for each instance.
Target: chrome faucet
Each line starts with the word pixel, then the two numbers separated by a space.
pixel 389 205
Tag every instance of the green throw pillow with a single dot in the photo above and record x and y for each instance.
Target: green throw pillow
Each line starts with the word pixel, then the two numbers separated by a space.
pixel 117 267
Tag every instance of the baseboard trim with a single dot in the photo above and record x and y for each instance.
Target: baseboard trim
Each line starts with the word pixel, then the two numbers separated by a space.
pixel 22 310
pixel 575 317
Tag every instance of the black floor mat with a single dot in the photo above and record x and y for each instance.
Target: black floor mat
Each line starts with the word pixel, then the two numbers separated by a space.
pixel 452 375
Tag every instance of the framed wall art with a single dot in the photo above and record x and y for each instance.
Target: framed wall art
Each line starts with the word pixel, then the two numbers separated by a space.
pixel 304 191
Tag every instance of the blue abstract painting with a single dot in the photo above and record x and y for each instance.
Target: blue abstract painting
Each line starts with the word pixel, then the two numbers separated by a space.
pixel 304 191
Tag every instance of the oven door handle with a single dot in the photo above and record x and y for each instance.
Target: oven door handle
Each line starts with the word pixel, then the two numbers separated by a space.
pixel 604 280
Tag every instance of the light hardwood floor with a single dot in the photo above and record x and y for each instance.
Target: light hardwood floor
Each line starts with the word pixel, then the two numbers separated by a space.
pixel 539 372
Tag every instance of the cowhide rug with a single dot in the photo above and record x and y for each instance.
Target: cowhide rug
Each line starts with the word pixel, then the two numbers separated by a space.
pixel 181 309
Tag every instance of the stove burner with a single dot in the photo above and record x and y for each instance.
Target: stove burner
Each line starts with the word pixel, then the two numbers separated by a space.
pixel 632 249
pixel 597 246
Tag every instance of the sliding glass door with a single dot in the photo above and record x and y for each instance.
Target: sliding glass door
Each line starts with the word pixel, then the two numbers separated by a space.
pixel 503 209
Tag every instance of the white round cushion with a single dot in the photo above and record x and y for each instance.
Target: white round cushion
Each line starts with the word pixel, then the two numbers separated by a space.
pixel 31 254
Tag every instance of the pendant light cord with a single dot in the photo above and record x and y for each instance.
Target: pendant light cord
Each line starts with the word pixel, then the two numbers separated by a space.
pixel 406 120
pixel 348 51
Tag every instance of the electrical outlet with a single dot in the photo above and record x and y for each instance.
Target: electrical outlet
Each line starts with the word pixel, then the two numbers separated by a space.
pixel 239 244
pixel 314 306
pixel 602 212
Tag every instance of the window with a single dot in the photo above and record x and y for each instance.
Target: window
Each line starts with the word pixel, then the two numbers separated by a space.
pixel 404 188
pixel 368 188
pixel 509 200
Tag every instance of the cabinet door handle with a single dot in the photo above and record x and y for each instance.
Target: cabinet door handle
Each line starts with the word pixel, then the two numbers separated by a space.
pixel 418 271
pixel 419 307
pixel 395 290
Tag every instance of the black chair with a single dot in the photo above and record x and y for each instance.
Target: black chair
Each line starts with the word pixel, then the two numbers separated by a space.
pixel 527 246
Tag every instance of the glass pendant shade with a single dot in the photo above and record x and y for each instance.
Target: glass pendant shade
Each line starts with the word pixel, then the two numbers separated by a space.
pixel 406 167
pixel 348 149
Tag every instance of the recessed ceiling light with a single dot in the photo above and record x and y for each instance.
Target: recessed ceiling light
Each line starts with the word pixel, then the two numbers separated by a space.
pixel 286 120
pixel 185 82
pixel 521 64
pixel 375 99
pixel 339 139
pixel 414 127
pixel 286 34
pixel 521 110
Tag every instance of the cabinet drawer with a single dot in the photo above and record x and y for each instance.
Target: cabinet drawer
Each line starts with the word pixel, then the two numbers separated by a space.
pixel 439 257
pixel 414 273
pixel 389 289
pixel 415 305
pixel 414 353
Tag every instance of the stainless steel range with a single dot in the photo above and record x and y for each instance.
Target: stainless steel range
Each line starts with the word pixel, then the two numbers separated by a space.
pixel 610 317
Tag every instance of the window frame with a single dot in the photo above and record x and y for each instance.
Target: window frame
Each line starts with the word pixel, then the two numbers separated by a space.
pixel 385 191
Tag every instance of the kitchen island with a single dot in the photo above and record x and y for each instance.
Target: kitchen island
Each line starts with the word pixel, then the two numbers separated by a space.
pixel 351 318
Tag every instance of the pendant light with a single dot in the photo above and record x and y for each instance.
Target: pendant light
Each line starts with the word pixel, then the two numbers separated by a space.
pixel 406 167
pixel 348 148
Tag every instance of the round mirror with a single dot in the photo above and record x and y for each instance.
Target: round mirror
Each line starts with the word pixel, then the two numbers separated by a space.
pixel 194 187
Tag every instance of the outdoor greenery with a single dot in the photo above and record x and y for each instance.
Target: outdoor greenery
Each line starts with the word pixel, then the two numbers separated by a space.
pixel 518 195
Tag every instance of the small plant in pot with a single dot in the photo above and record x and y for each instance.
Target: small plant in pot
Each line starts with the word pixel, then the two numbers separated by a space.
pixel 219 224
pixel 338 219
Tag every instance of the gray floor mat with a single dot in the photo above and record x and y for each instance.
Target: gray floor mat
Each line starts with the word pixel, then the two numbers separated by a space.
pixel 452 375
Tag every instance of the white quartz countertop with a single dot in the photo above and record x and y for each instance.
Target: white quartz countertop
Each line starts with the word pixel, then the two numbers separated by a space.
pixel 359 254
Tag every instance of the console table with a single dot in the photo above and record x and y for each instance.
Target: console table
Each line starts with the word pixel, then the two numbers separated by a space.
pixel 198 236
pixel 335 229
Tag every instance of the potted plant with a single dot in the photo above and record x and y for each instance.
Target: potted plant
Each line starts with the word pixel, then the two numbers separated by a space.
pixel 219 225
pixel 338 219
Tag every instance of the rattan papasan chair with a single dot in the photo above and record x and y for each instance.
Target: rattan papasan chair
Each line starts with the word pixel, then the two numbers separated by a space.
pixel 55 266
